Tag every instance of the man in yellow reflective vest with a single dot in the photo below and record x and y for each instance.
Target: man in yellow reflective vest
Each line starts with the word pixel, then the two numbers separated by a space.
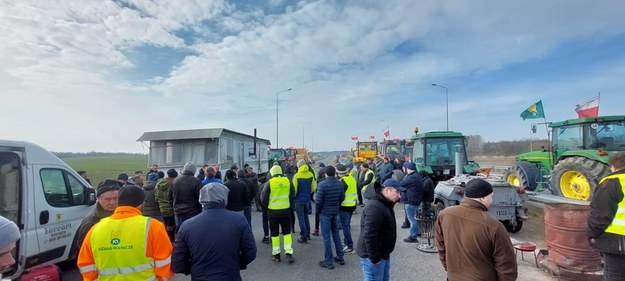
pixel 126 245
pixel 348 206
pixel 365 182
pixel 278 195
pixel 606 223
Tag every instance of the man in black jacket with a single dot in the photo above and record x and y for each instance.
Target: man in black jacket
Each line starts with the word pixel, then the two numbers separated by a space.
pixel 378 231
pixel 413 183
pixel 239 193
pixel 606 223
pixel 185 194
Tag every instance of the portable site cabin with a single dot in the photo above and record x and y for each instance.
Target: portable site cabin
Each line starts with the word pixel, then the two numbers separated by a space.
pixel 172 149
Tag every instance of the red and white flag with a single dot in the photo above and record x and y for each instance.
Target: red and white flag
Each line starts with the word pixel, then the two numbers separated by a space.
pixel 372 137
pixel 589 108
pixel 354 137
pixel 387 133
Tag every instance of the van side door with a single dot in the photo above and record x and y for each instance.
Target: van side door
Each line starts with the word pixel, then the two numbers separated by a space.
pixel 60 206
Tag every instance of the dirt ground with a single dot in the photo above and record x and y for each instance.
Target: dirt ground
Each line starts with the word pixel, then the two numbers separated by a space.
pixel 533 229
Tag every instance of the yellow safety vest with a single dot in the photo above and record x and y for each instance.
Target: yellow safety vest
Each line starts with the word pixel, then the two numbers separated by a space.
pixel 350 193
pixel 279 193
pixel 618 222
pixel 369 171
pixel 119 249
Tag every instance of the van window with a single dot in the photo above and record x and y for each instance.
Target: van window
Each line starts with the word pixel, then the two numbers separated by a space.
pixel 61 189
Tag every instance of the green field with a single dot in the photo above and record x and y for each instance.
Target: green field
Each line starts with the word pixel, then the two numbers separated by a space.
pixel 103 167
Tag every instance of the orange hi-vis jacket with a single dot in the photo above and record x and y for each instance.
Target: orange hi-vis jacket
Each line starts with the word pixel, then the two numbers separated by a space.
pixel 158 248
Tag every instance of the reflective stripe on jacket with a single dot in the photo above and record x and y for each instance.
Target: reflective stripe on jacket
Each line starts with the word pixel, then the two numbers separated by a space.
pixel 126 246
pixel 350 194
pixel 618 222
pixel 280 191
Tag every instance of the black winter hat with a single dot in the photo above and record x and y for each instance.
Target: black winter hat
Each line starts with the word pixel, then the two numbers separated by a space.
pixel 130 195
pixel 477 188
pixel 105 186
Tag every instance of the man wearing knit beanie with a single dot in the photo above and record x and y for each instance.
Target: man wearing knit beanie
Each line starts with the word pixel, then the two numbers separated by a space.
pixel 127 240
pixel 463 233
pixel 185 191
pixel 9 234
pixel 106 192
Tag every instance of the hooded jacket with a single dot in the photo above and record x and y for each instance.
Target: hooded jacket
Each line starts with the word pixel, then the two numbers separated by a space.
pixel 304 184
pixel 163 198
pixel 378 230
pixel 276 171
pixel 150 205
pixel 472 245
pixel 217 252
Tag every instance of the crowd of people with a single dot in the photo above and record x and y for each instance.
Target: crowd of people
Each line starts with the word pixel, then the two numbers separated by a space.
pixel 182 202
pixel 164 221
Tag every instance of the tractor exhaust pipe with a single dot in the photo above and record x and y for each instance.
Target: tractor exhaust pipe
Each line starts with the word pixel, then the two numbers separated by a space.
pixel 458 159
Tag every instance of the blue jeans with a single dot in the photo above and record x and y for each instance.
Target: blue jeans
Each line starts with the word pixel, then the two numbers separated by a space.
pixel 247 212
pixel 346 220
pixel 302 218
pixel 376 272
pixel 181 218
pixel 330 226
pixel 411 211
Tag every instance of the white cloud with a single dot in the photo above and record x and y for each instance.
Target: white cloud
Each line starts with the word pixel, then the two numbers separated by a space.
pixel 350 64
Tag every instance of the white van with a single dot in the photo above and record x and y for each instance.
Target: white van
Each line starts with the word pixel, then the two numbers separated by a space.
pixel 46 199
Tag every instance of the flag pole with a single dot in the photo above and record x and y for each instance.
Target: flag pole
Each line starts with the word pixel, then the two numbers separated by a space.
pixel 550 150
pixel 598 103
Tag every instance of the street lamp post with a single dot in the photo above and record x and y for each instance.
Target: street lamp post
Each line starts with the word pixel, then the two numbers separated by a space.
pixel 446 101
pixel 277 141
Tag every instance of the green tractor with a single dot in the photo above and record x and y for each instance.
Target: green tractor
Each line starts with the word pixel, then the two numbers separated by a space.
pixel 576 161
pixel 436 153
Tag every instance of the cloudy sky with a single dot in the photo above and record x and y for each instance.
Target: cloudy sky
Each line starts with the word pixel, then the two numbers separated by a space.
pixel 93 75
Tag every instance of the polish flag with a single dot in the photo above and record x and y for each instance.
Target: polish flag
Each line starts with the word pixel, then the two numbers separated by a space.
pixel 387 133
pixel 589 108
pixel 355 138
pixel 372 137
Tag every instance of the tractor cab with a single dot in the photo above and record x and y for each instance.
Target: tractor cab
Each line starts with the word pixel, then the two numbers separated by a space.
pixel 398 149
pixel 438 152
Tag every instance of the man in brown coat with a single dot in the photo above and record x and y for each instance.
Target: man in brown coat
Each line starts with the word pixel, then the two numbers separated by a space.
pixel 471 244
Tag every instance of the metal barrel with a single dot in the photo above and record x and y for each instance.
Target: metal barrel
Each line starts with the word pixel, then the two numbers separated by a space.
pixel 565 234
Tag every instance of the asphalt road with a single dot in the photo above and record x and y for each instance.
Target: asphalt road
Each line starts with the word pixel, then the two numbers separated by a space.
pixel 407 263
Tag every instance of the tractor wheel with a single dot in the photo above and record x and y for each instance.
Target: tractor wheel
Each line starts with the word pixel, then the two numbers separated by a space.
pixel 577 177
pixel 522 174
pixel 438 207
pixel 513 228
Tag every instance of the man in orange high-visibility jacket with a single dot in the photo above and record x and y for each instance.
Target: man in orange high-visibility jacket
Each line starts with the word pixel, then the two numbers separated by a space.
pixel 116 247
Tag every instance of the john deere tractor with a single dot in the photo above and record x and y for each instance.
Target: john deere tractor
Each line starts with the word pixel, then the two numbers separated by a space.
pixel 576 160
pixel 435 152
